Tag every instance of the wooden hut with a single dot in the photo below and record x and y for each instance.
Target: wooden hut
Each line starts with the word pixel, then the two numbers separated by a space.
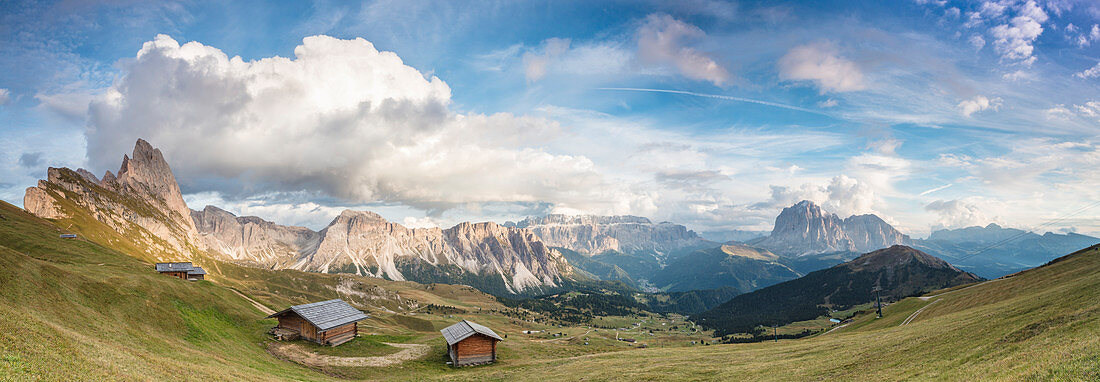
pixel 331 322
pixel 470 344
pixel 184 270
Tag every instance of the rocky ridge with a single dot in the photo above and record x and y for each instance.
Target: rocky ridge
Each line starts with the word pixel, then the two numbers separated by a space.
pixel 591 234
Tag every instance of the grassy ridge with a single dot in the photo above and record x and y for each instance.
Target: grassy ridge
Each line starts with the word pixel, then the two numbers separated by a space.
pixel 70 309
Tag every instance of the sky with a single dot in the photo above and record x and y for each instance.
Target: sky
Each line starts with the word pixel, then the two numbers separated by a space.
pixel 931 114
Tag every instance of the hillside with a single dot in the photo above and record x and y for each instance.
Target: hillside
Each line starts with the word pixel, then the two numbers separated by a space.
pixel 899 271
pixel 738 266
pixel 1042 324
pixel 88 312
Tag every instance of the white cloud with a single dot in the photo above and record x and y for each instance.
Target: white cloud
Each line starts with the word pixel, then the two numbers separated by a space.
pixel 1092 72
pixel 661 40
pixel 557 55
pixel 1014 39
pixel 72 106
pixel 820 63
pixel 535 64
pixel 423 222
pixel 977 42
pixel 5 96
pixel 993 8
pixel 978 103
pixel 959 213
pixel 341 118
pixel 842 195
pixel 1017 75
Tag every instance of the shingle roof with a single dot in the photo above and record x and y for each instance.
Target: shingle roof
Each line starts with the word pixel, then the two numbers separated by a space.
pixel 174 267
pixel 325 315
pixel 464 329
pixel 196 271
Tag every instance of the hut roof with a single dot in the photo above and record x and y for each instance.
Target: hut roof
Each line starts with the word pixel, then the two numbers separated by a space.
pixel 325 315
pixel 196 271
pixel 464 329
pixel 174 267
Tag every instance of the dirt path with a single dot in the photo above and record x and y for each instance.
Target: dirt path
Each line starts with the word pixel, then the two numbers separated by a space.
pixel 258 305
pixel 297 354
pixel 914 315
pixel 833 329
pixel 926 298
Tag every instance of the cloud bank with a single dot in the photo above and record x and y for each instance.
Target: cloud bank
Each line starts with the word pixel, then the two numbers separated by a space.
pixel 340 118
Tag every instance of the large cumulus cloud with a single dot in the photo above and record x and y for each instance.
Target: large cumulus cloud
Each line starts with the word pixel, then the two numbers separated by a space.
pixel 340 117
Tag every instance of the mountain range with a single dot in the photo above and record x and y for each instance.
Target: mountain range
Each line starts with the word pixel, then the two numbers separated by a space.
pixel 143 203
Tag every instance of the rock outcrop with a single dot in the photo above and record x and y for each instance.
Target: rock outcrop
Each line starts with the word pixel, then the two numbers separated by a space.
pixel 590 234
pixel 805 229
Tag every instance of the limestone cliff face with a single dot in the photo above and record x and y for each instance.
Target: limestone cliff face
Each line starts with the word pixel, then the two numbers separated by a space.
pixel 365 243
pixel 251 239
pixel 805 229
pixel 596 234
pixel 869 232
pixel 143 202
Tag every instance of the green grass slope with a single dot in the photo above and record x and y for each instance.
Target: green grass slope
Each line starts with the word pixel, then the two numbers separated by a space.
pixel 1042 324
pixel 73 310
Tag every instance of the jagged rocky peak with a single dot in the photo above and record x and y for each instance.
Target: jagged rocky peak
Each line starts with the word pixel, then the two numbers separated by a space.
pixel 143 194
pixel 147 168
pixel 594 234
pixel 805 228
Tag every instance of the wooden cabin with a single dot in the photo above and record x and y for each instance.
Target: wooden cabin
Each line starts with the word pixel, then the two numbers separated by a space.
pixel 331 322
pixel 184 270
pixel 471 344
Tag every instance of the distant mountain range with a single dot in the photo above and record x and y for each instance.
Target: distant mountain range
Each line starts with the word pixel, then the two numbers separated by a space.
pixel 993 251
pixel 143 203
pixel 899 271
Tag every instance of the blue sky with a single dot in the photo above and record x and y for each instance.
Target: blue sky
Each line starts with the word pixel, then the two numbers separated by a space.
pixel 707 113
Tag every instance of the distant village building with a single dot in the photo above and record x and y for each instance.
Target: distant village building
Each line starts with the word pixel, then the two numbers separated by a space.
pixel 470 344
pixel 331 322
pixel 184 271
pixel 68 236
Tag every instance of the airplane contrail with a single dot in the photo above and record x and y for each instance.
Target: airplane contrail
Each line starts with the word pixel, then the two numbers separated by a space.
pixel 722 97
pixel 936 189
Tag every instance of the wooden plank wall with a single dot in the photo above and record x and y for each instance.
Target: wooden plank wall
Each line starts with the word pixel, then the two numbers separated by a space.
pixel 304 328
pixel 475 349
